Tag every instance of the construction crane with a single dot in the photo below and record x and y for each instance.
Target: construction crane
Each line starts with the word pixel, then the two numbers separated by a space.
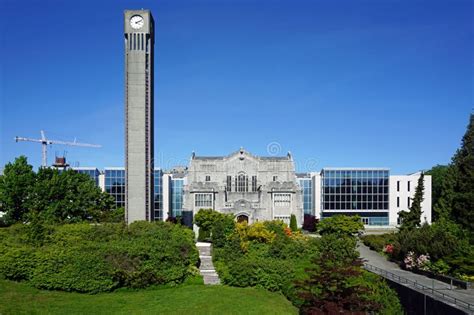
pixel 44 144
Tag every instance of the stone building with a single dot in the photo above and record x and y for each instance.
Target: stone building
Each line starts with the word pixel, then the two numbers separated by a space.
pixel 252 188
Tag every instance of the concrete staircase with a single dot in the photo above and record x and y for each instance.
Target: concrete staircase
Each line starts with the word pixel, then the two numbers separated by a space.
pixel 206 268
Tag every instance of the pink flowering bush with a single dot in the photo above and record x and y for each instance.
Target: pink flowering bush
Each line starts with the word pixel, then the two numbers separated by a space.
pixel 422 262
pixel 412 261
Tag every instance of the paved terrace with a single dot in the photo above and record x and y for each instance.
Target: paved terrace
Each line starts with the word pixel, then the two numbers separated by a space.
pixel 376 263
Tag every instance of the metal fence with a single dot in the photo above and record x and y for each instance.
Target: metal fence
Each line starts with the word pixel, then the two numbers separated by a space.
pixel 433 291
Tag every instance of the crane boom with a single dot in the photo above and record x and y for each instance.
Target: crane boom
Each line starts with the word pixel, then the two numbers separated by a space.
pixel 44 142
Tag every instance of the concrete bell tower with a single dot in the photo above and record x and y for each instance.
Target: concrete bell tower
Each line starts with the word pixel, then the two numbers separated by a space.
pixel 139 148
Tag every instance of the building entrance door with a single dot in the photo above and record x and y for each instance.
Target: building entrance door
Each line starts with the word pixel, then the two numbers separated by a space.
pixel 242 218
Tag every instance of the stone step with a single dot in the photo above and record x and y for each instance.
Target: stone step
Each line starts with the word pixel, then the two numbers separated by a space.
pixel 211 280
pixel 204 251
pixel 206 263
pixel 206 267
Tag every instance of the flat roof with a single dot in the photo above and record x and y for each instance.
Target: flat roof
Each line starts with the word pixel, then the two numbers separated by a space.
pixel 355 169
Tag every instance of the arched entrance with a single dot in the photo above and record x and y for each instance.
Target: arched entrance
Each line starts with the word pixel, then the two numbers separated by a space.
pixel 242 218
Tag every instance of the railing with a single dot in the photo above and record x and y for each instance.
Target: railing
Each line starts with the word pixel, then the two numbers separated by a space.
pixel 433 291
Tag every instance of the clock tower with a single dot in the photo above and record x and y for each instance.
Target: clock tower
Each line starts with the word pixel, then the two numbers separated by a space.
pixel 139 149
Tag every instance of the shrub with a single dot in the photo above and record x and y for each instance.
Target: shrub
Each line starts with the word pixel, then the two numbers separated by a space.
pixel 271 274
pixel 17 262
pixel 439 267
pixel 379 241
pixel 222 229
pixel 309 223
pixel 293 224
pixel 204 235
pixel 80 269
pixel 436 242
pixel 341 225
pixel 98 258
pixel 266 255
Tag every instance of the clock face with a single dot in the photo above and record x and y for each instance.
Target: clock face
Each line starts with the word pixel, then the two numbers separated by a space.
pixel 136 22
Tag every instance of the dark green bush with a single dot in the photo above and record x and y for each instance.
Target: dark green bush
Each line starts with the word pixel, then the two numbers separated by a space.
pixel 221 230
pixel 204 235
pixel 271 274
pixel 17 262
pixel 427 240
pixel 341 225
pixel 78 268
pixel 293 224
pixel 97 258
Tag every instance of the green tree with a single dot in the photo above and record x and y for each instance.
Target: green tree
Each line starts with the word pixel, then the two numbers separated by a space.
pixel 440 177
pixel 463 164
pixel 341 225
pixel 69 197
pixel 293 224
pixel 205 218
pixel 336 283
pixel 412 218
pixel 15 187
pixel 443 205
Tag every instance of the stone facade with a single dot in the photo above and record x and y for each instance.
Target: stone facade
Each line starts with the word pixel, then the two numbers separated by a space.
pixel 250 187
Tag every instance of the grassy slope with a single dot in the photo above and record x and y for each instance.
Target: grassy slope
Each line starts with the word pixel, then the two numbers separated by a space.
pixel 18 298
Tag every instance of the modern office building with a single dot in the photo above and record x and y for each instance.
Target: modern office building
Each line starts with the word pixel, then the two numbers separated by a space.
pixel 139 111
pixel 306 185
pixel 364 192
pixel 173 185
pixel 158 194
pixel 372 193
pixel 114 184
pixel 114 180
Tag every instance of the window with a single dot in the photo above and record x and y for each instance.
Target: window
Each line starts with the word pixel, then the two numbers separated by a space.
pixel 208 178
pixel 275 178
pixel 398 185
pixel 203 200
pixel 409 185
pixel 229 183
pixel 365 221
pixel 282 200
pixel 254 183
pixel 408 202
pixel 398 202
pixel 242 183
pixel 284 218
pixel 355 189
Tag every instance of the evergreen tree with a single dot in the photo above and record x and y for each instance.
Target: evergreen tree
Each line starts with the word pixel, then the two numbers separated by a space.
pixel 293 224
pixel 463 165
pixel 439 175
pixel 443 205
pixel 412 219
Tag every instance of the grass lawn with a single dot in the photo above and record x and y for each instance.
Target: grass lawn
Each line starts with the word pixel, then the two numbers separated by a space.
pixel 19 298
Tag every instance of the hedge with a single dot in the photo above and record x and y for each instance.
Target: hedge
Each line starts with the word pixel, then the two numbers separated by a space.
pixel 97 258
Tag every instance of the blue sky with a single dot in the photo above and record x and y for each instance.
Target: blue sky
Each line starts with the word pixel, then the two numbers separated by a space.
pixel 337 83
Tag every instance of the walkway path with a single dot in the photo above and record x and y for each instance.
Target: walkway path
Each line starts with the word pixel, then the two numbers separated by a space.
pixel 381 264
pixel 206 268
